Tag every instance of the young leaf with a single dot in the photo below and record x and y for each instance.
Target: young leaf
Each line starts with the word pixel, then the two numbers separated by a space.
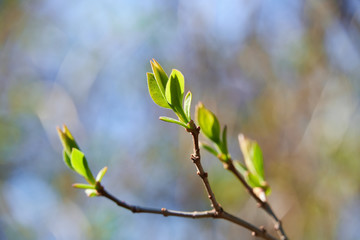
pixel 267 190
pixel 224 140
pixel 101 174
pixel 252 156
pixel 157 96
pixel 174 93
pixel 160 75
pixel 208 123
pixel 240 167
pixel 187 105
pixel 209 149
pixel 83 186
pixel 171 120
pixel 91 193
pixel 67 160
pixel 253 180
pixel 78 161
pixel 67 140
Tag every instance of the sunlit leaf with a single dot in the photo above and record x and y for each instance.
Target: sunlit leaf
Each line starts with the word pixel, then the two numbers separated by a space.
pixel 160 75
pixel 209 149
pixel 174 93
pixel 253 156
pixel 101 174
pixel 187 105
pixel 224 141
pixel 91 193
pixel 83 186
pixel 67 140
pixel 208 123
pixel 67 160
pixel 253 180
pixel 79 162
pixel 240 167
pixel 157 96
pixel 171 120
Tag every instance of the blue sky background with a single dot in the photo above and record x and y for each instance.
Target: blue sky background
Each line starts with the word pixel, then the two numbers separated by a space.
pixel 285 73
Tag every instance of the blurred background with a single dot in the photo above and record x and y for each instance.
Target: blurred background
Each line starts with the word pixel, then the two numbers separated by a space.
pixel 285 73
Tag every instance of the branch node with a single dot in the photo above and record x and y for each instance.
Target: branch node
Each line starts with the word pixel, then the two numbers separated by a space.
pixel 202 175
pixel 262 229
pixel 165 212
pixel 226 166
pixel 277 225
pixel 134 209
pixel 195 159
pixel 253 234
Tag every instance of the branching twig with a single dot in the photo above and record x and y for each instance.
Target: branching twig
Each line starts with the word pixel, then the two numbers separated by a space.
pixel 216 212
pixel 194 131
pixel 260 232
pixel 264 205
pixel 163 211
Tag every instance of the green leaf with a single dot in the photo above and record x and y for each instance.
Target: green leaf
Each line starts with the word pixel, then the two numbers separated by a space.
pixel 91 193
pixel 224 141
pixel 67 140
pixel 174 93
pixel 78 161
pixel 257 158
pixel 101 174
pixel 267 190
pixel 208 123
pixel 83 186
pixel 253 157
pixel 209 149
pixel 160 75
pixel 67 160
pixel 253 180
pixel 240 167
pixel 187 105
pixel 157 96
pixel 171 120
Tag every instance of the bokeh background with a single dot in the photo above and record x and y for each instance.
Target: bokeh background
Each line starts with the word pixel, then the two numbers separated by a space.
pixel 285 73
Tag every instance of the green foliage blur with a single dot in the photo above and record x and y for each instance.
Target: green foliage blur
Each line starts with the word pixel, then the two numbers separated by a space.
pixel 284 73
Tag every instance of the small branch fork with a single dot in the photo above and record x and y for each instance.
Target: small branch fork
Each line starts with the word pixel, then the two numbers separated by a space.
pixel 264 205
pixel 216 212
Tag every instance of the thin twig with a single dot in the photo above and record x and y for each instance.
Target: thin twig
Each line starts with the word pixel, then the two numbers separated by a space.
pixel 264 205
pixel 195 131
pixel 216 212
pixel 163 211
pixel 195 157
pixel 259 232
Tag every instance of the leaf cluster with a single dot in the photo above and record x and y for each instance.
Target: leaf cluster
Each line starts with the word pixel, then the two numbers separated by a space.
pixel 76 161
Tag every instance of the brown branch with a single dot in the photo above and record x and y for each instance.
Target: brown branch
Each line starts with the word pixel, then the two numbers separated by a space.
pixel 195 131
pixel 259 232
pixel 195 157
pixel 264 205
pixel 163 211
pixel 216 212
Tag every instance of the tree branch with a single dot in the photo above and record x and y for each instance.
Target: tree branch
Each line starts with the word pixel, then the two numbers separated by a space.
pixel 259 232
pixel 216 212
pixel 195 157
pixel 264 205
pixel 163 211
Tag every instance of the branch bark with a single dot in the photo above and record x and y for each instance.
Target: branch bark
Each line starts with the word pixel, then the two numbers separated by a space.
pixel 216 212
pixel 264 205
pixel 259 232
